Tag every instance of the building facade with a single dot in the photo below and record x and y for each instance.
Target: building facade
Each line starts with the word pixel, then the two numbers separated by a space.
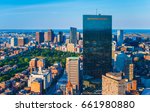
pixel 73 72
pixel 49 36
pixel 14 42
pixel 39 37
pixel 37 86
pixel 119 37
pixel 97 45
pixel 113 84
pixel 73 35
pixel 44 75
pixel 21 41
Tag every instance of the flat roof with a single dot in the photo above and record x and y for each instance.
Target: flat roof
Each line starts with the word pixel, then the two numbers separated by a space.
pixel 73 57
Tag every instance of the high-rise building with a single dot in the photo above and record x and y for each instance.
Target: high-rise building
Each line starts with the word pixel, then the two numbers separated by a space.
pixel 39 37
pixel 113 53
pixel 73 72
pixel 55 39
pixel 119 37
pixel 60 37
pixel 114 38
pixel 73 35
pixel 78 35
pixel 113 84
pixel 129 70
pixel 121 60
pixel 21 41
pixel 26 40
pixel 123 63
pixel 97 45
pixel 14 42
pixel 49 36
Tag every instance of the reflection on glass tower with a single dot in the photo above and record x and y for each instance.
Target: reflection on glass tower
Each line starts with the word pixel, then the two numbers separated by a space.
pixel 97 46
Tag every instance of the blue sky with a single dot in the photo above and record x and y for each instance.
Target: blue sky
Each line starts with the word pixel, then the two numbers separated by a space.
pixel 56 14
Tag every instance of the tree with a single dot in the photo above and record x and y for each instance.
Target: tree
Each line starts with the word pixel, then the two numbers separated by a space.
pixel 22 62
pixel 26 60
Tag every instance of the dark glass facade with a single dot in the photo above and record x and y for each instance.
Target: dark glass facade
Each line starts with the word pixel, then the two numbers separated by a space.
pixel 73 35
pixel 97 45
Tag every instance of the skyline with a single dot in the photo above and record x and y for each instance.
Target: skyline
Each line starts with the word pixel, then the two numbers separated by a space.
pixel 94 61
pixel 55 14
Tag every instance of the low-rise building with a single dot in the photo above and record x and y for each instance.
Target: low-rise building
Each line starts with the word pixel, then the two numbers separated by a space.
pixel 37 86
pixel 45 75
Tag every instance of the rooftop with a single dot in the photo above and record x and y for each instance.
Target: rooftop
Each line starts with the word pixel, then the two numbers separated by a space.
pixel 42 72
pixel 73 57
pixel 116 76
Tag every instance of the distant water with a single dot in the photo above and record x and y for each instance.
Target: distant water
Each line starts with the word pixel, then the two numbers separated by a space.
pixel 137 31
pixel 126 31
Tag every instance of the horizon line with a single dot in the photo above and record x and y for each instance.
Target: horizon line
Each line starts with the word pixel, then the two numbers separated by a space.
pixel 69 28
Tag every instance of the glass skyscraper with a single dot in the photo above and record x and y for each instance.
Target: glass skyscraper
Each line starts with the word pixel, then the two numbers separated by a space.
pixel 73 35
pixel 97 45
